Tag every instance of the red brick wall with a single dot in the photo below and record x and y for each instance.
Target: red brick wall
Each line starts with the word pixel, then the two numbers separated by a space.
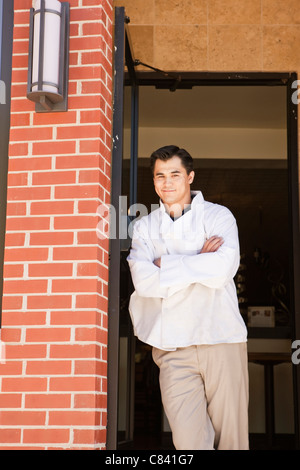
pixel 54 324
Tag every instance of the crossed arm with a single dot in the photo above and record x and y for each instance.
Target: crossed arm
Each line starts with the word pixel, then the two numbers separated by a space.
pixel 211 245
pixel 213 266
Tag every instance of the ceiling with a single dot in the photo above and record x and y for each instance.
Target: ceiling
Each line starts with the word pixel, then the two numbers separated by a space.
pixel 211 106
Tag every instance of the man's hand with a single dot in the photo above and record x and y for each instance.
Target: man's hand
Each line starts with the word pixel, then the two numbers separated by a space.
pixel 212 244
pixel 157 262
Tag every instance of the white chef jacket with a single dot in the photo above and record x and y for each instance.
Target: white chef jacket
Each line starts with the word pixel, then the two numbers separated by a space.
pixel 191 299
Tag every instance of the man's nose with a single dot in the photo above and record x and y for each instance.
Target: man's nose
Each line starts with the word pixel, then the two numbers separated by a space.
pixel 168 180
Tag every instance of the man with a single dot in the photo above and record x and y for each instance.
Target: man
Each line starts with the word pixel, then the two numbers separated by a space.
pixel 183 258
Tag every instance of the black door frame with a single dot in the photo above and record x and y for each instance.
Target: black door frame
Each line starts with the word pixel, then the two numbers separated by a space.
pixel 123 55
pixel 294 208
pixel 6 42
pixel 186 80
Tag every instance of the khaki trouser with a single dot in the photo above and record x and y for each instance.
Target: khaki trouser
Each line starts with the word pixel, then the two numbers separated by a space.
pixel 204 392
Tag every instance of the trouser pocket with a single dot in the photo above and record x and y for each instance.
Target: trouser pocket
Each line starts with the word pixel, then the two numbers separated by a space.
pixel 157 355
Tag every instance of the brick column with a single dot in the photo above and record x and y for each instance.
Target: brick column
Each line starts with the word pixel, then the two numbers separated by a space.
pixel 54 323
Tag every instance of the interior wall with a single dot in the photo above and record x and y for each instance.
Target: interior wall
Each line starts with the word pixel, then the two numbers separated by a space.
pixel 214 142
pixel 233 122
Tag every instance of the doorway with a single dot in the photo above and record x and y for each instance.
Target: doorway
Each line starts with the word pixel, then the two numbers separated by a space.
pixel 239 140
pixel 241 130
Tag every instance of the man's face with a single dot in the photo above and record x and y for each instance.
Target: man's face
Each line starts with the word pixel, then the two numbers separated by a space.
pixel 171 182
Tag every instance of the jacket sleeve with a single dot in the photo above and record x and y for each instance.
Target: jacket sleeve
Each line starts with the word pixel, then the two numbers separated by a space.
pixel 213 270
pixel 145 274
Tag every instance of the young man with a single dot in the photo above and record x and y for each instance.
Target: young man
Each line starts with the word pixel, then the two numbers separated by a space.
pixel 183 258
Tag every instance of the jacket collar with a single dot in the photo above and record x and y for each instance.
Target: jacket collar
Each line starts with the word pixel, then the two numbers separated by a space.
pixel 197 198
pixel 188 220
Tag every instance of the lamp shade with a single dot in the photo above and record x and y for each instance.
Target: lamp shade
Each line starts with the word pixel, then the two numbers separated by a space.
pixel 47 53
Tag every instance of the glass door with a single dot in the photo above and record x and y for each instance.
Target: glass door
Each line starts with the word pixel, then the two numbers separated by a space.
pixel 126 386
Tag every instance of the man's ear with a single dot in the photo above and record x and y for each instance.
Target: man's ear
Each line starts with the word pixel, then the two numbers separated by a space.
pixel 191 177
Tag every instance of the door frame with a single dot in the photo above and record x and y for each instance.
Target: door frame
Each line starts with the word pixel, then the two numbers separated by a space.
pixel 6 44
pixel 186 80
pixel 123 55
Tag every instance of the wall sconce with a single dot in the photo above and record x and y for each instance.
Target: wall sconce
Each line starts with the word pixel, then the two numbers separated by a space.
pixel 48 65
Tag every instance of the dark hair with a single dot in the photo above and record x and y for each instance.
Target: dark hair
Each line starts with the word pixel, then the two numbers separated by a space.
pixel 169 151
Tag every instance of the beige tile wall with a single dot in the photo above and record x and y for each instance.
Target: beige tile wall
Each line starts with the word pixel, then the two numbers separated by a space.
pixel 216 35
